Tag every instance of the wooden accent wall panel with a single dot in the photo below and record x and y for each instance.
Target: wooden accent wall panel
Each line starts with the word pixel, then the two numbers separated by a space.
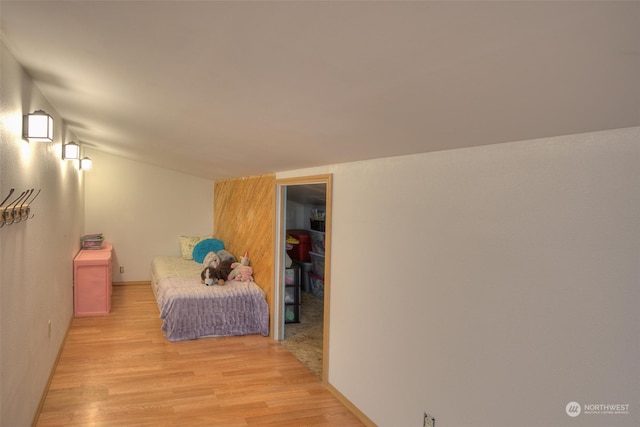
pixel 244 219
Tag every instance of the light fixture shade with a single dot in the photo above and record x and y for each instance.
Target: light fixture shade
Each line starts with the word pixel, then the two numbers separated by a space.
pixel 38 126
pixel 86 163
pixel 71 151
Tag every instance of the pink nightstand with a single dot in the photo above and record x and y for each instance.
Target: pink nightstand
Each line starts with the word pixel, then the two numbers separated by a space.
pixel 92 281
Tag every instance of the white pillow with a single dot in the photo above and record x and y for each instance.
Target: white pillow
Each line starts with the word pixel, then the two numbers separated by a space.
pixel 187 244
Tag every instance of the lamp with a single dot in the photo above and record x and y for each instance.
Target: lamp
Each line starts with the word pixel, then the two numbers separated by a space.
pixel 71 151
pixel 37 126
pixel 86 163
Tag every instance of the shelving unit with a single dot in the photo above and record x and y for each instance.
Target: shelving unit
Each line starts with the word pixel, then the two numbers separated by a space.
pixel 292 298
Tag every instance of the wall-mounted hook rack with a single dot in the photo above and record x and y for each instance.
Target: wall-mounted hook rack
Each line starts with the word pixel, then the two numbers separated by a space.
pixel 17 210
pixel 7 212
pixel 8 195
pixel 25 208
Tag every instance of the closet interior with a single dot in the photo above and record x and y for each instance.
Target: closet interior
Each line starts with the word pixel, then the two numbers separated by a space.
pixel 303 314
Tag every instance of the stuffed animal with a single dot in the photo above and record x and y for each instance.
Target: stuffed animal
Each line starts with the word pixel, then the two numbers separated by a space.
pixel 217 275
pixel 245 274
pixel 207 276
pixel 213 259
pixel 226 255
pixel 244 261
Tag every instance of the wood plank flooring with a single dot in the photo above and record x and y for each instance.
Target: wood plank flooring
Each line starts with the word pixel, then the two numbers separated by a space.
pixel 119 370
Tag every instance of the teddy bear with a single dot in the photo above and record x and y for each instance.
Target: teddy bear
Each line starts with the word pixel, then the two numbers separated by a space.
pixel 217 275
pixel 213 259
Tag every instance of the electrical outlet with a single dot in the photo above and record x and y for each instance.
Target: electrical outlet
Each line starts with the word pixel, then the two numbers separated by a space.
pixel 121 269
pixel 49 329
pixel 429 421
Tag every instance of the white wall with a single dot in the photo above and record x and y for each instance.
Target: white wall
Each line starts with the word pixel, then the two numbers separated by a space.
pixel 142 209
pixel 489 286
pixel 36 256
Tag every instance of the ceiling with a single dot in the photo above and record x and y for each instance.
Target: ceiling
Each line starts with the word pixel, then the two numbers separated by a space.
pixel 308 194
pixel 222 89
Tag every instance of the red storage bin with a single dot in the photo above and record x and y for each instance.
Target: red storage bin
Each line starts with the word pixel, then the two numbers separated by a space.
pixel 300 251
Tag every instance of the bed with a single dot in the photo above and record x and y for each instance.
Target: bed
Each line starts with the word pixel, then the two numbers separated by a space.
pixel 191 310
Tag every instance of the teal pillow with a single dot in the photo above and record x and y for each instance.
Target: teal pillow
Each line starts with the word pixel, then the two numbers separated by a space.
pixel 203 247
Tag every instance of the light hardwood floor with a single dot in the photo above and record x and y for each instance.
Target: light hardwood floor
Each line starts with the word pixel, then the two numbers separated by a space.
pixel 118 370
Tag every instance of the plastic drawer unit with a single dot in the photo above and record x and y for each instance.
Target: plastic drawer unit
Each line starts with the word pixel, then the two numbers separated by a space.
pixel 92 281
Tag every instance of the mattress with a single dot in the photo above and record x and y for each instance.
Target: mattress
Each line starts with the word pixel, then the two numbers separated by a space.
pixel 163 267
pixel 191 310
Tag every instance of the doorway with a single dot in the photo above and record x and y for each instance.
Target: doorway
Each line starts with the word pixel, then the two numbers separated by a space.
pixel 303 328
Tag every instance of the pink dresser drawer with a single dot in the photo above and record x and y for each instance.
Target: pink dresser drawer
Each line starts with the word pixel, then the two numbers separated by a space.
pixel 92 281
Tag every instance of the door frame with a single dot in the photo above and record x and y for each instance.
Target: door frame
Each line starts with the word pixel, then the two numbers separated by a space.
pixel 280 241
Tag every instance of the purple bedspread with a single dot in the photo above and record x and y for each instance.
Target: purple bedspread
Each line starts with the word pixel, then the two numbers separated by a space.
pixel 191 310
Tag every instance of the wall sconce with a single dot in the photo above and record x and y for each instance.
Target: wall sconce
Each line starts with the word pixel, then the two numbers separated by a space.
pixel 71 151
pixel 86 163
pixel 37 126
